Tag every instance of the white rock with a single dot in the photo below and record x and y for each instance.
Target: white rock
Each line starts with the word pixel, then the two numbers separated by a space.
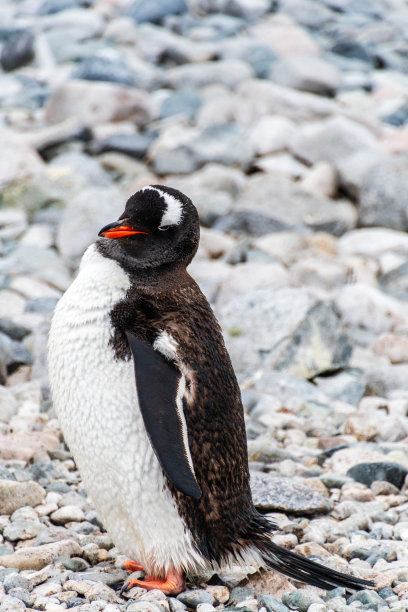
pixel 66 514
pixel 285 246
pixel 373 241
pixel 8 405
pixel 227 72
pixel 38 234
pixel 284 37
pixel 371 309
pixel 271 133
pixel 32 288
pixel 307 73
pixel 96 102
pixel 393 346
pixel 249 276
pixel 84 216
pixel 21 159
pixel 332 140
pixel 321 180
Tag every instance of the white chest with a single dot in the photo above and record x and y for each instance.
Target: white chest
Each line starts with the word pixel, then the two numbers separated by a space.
pixel 96 401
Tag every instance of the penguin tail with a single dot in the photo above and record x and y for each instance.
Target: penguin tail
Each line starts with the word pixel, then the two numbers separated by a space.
pixel 302 569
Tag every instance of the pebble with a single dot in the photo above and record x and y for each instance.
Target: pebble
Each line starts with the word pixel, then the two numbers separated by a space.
pixel 14 495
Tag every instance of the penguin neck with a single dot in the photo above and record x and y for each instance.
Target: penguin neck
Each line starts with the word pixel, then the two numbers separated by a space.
pixel 147 278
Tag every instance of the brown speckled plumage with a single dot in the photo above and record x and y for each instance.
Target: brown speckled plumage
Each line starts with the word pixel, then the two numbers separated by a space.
pixel 164 298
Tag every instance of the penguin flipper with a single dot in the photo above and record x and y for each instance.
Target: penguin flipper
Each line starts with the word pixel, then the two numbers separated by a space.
pixel 159 389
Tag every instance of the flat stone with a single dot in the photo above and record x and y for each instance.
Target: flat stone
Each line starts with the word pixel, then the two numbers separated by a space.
pixel 311 73
pixel 155 10
pixel 301 599
pixel 18 50
pixel 302 337
pixel 271 493
pixel 14 495
pixel 367 473
pixel 66 514
pixel 37 557
pixel 195 597
pixel 226 72
pixel 85 215
pixel 98 102
pixel 25 445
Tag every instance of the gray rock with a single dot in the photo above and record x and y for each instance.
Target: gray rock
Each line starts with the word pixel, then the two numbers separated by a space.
pixel 345 386
pixel 369 598
pixel 271 603
pixel 18 50
pixel 175 605
pixel 310 73
pixel 333 140
pixel 271 493
pixel 383 199
pixel 13 354
pixel 301 599
pixel 22 530
pixel 226 144
pixel 155 10
pixel 225 72
pixel 15 580
pixel 280 204
pixel 367 473
pixel 12 604
pixel 195 597
pixel 43 264
pixel 285 329
pixel 260 57
pixel 14 330
pixel 104 67
pixel 133 145
pixel 185 102
pixel 144 606
pixel 86 214
pixel 98 102
pixel 14 495
pixel 240 594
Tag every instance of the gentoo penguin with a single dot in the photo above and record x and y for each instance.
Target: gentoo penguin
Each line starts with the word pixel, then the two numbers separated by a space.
pixel 150 407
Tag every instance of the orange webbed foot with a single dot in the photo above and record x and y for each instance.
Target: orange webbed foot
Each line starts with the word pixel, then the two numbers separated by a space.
pixel 132 566
pixel 173 584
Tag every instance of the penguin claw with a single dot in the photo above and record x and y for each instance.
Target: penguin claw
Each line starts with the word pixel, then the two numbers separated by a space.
pixel 173 584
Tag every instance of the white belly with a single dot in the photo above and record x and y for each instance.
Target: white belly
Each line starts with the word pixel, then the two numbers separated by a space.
pixel 96 401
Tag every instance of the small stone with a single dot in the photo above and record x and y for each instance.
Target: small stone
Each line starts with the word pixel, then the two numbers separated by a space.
pixel 221 594
pixel 66 514
pixel 37 557
pixel 271 493
pixel 14 495
pixel 12 604
pixel 155 10
pixel 240 594
pixel 13 581
pixel 97 102
pixel 22 530
pixel 176 605
pixel 367 473
pixel 367 597
pixel 205 607
pixel 271 604
pixel 18 50
pixel 301 599
pixel 144 606
pixel 195 597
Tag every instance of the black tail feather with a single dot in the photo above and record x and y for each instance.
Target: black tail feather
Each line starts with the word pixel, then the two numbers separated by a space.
pixel 302 569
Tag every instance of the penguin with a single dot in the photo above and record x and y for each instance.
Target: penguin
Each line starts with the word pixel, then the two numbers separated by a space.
pixel 150 407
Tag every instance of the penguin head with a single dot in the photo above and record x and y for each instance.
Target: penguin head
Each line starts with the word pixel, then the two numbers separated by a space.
pixel 159 226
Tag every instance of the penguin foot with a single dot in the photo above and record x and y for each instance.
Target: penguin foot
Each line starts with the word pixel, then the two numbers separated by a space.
pixel 132 566
pixel 173 584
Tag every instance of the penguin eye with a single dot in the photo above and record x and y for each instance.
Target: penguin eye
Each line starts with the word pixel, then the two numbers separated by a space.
pixel 164 228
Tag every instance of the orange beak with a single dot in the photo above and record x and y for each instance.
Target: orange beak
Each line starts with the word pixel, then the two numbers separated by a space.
pixel 117 230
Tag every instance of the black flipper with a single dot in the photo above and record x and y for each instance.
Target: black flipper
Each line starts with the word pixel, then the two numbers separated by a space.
pixel 157 383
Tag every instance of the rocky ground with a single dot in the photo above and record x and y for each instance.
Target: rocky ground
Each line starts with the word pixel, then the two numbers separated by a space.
pixel 287 124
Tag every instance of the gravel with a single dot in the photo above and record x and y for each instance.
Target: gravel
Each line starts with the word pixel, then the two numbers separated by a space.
pixel 286 123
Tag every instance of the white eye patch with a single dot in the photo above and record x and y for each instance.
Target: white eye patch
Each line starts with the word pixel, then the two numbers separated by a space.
pixel 174 208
